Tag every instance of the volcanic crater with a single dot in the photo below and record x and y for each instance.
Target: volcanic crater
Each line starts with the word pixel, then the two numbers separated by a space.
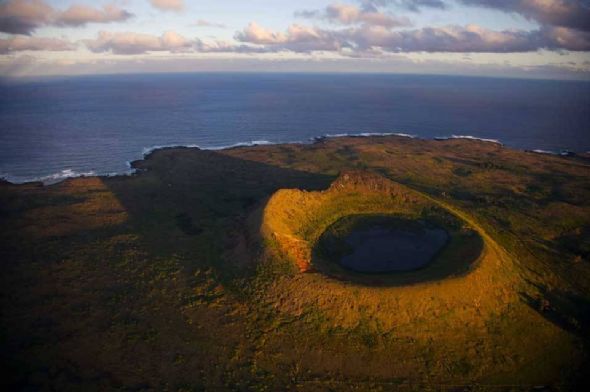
pixel 370 230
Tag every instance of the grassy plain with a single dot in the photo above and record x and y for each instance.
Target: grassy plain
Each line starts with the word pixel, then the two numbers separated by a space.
pixel 168 279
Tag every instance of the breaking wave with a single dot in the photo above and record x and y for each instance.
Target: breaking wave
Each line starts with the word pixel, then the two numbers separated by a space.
pixel 51 178
pixel 469 137
pixel 242 144
pixel 544 152
pixel 364 134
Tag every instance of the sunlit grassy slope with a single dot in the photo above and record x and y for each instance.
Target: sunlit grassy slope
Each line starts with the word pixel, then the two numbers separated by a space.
pixel 188 275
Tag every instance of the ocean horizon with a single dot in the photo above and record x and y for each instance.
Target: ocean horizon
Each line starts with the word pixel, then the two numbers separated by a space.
pixel 59 127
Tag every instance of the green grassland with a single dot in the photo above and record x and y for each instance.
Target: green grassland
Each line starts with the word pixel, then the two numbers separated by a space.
pixel 174 278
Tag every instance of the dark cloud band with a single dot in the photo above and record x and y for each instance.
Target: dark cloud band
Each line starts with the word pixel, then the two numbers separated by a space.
pixel 25 16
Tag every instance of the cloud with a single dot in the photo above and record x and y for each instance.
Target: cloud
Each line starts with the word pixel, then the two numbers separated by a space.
pixel 24 16
pixel 471 38
pixel 367 39
pixel 22 43
pixel 297 38
pixel 206 23
pixel 355 41
pixel 78 15
pixel 256 34
pixel 564 38
pixel 573 14
pixel 347 14
pixel 168 5
pixel 218 46
pixel 411 5
pixel 137 43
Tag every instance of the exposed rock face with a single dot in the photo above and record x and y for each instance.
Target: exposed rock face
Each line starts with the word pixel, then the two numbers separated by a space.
pixel 365 181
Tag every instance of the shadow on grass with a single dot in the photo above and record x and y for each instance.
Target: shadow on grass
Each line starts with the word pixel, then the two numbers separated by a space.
pixel 568 311
pixel 114 264
pixel 194 203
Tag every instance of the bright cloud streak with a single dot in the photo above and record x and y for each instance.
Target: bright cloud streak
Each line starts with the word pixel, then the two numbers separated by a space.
pixel 22 43
pixel 168 5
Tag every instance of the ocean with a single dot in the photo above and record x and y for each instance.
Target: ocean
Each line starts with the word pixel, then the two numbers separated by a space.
pixel 52 128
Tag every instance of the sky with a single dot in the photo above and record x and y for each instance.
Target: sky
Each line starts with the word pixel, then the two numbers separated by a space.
pixel 511 38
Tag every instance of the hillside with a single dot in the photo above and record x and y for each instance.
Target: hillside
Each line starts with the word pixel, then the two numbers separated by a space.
pixel 199 272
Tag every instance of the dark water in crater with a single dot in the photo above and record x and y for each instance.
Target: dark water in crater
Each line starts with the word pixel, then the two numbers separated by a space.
pixel 381 248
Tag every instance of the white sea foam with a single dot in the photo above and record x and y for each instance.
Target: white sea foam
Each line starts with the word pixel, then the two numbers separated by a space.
pixel 369 134
pixel 334 135
pixel 469 137
pixel 365 134
pixel 544 152
pixel 50 178
pixel 406 135
pixel 242 144
pixel 563 153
